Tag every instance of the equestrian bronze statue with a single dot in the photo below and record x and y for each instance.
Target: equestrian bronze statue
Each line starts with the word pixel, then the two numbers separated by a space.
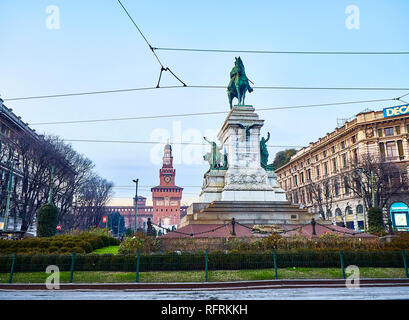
pixel 239 83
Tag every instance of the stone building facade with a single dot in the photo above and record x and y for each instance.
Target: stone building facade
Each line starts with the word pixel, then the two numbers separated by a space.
pixel 332 155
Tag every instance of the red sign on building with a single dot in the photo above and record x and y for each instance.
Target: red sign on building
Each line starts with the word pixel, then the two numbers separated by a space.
pixel 104 219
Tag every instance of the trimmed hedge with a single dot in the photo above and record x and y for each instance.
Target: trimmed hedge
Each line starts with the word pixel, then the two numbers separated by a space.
pixel 62 244
pixel 196 261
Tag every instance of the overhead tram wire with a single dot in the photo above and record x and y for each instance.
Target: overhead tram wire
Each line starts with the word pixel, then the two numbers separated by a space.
pixel 151 48
pixel 159 142
pixel 84 93
pixel 209 113
pixel 284 52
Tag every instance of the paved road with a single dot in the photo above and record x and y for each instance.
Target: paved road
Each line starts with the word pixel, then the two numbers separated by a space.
pixel 267 294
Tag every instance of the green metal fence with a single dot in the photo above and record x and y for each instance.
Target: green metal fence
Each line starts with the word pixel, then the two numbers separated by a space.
pixel 201 266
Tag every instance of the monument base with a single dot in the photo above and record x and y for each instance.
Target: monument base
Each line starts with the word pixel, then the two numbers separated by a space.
pixel 246 212
pixel 250 195
pixel 242 189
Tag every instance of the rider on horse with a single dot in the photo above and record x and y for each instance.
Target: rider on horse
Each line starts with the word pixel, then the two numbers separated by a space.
pixel 239 83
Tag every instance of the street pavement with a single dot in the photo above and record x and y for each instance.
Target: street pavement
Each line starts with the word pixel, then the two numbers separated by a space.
pixel 367 293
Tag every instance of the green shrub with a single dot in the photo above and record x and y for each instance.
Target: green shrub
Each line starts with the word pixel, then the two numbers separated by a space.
pixel 77 250
pixel 69 244
pixel 53 249
pixel 138 243
pixel 57 243
pixel 43 243
pixel 375 221
pixel 47 220
pixel 86 246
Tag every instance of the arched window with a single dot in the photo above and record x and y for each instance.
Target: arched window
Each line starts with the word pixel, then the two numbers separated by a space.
pixel 338 212
pixel 359 208
pixel 329 213
pixel 348 210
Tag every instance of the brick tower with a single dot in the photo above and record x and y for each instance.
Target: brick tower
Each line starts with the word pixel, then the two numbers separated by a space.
pixel 166 196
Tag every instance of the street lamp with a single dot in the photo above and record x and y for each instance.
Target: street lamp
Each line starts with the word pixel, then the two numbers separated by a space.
pixel 136 203
pixel 14 162
pixel 363 197
pixel 50 193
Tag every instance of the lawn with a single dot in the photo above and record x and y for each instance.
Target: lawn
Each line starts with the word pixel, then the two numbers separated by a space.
pixel 104 250
pixel 199 276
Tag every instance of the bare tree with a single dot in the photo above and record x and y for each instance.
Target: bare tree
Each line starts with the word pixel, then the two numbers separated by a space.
pixel 376 180
pixel 74 181
pixel 69 179
pixel 322 195
pixel 91 202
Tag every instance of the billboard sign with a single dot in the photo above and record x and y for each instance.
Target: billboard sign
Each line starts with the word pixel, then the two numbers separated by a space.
pixel 396 111
pixel 399 213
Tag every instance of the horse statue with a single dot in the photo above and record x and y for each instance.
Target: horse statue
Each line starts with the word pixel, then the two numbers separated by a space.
pixel 239 83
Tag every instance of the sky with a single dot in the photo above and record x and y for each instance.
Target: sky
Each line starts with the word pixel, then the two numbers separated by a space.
pixel 94 46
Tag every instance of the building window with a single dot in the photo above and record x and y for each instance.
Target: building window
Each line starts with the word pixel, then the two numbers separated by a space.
pixel 388 132
pixel 316 157
pixel 324 154
pixel 391 150
pixel 382 149
pixel 359 208
pixel 318 172
pixel 344 160
pixel 355 155
pixel 336 188
pixel 302 177
pixel 309 174
pixel 346 183
pixel 326 168
pixel 343 145
pixel 353 139
pixel 334 164
pixel 400 150
pixel 333 149
pixel 397 128
pixel 348 210
pixel 338 212
pixel 380 134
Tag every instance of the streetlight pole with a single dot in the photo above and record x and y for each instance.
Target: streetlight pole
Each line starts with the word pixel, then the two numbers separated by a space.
pixel 363 200
pixel 136 204
pixel 373 193
pixel 50 193
pixel 10 187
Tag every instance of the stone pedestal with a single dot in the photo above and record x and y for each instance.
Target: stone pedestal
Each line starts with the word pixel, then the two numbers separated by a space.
pixel 244 179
